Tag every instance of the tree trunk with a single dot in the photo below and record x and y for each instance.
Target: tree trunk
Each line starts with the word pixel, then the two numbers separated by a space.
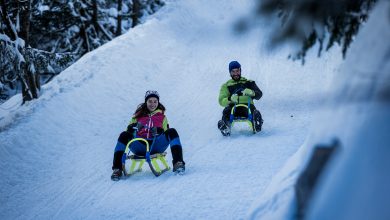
pixel 95 15
pixel 119 19
pixel 83 29
pixel 135 13
pixel 84 35
pixel 38 81
pixel 10 31
pixel 29 84
pixel 26 93
pixel 25 12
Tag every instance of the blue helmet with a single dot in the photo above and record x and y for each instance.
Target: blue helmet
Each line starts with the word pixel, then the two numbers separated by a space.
pixel 234 65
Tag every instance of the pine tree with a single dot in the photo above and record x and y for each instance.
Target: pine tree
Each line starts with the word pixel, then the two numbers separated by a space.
pixel 40 38
pixel 316 21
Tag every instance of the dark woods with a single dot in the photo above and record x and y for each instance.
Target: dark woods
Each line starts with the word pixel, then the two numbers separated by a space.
pixel 308 22
pixel 40 38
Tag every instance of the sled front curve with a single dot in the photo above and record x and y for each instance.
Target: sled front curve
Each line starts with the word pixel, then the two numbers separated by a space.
pixel 138 161
pixel 248 119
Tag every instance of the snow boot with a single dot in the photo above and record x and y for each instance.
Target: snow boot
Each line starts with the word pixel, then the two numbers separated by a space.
pixel 179 168
pixel 116 174
pixel 258 120
pixel 224 128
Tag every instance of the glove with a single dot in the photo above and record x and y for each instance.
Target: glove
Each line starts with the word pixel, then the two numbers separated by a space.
pixel 248 92
pixel 156 131
pixel 139 126
pixel 130 128
pixel 153 130
pixel 234 98
pixel 135 126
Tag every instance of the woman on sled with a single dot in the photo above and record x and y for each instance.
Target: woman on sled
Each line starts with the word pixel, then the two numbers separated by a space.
pixel 149 123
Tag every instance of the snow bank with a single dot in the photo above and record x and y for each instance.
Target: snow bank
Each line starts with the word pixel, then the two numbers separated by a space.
pixel 355 184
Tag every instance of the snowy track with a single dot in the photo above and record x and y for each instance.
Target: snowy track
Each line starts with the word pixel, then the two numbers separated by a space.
pixel 55 160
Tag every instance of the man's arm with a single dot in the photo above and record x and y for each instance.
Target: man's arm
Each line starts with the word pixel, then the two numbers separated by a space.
pixel 255 88
pixel 224 96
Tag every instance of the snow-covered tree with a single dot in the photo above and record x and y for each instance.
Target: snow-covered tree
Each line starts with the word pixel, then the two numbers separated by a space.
pixel 311 21
pixel 40 38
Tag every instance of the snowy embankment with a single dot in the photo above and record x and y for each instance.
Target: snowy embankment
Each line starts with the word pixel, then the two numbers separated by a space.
pixel 357 115
pixel 56 152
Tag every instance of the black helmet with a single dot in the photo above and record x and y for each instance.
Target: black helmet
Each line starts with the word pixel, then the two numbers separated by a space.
pixel 151 93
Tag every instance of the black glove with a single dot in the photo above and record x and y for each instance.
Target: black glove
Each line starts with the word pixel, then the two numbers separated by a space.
pixel 130 128
pixel 139 126
pixel 156 131
pixel 135 126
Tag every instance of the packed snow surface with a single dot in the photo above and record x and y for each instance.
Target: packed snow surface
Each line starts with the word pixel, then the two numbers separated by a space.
pixel 56 152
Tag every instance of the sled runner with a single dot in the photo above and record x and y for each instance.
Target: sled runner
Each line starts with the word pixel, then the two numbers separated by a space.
pixel 157 161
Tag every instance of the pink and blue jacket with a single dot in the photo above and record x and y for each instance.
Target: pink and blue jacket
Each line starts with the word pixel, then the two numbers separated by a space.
pixel 153 119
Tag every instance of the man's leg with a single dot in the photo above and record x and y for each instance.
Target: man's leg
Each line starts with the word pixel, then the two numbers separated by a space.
pixel 224 123
pixel 257 118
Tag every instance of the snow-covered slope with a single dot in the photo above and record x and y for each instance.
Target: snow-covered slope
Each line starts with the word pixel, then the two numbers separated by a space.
pixel 56 152
pixel 355 184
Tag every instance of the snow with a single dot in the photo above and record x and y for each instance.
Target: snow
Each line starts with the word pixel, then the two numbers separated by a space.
pixel 113 12
pixel 125 9
pixel 43 8
pixel 56 152
pixel 356 182
pixel 4 37
pixel 360 177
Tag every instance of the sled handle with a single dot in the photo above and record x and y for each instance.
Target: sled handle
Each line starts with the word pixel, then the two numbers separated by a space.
pixel 147 155
pixel 136 139
pixel 241 105
pixel 148 150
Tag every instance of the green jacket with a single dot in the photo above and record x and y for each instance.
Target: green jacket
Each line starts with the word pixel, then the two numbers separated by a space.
pixel 231 87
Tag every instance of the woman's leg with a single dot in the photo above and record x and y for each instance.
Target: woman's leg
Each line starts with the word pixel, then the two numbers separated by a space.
pixel 176 148
pixel 160 144
pixel 123 139
pixel 139 148
pixel 169 137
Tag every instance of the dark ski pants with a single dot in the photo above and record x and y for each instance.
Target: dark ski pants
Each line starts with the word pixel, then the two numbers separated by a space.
pixel 169 138
pixel 243 112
